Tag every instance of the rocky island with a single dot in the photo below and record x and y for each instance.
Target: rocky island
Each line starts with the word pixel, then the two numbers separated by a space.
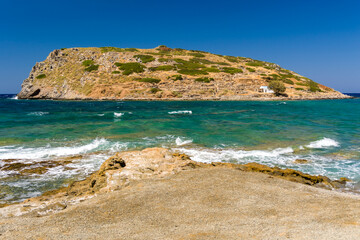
pixel 163 73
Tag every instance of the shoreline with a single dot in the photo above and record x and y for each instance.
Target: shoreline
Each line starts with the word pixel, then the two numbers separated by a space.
pixel 190 99
pixel 163 192
pixel 178 162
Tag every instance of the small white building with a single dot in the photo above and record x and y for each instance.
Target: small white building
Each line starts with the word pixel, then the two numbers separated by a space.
pixel 266 89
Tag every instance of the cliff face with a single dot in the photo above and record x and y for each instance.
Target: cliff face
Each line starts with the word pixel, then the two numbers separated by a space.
pixel 161 73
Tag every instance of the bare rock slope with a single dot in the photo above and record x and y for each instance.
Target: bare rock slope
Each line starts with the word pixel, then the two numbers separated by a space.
pixel 161 73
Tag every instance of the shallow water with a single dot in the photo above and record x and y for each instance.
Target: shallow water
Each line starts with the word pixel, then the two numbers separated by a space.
pixel 275 133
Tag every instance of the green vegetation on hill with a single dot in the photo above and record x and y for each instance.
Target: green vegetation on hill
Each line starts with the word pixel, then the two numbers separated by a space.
pixel 145 58
pixel 313 86
pixel 90 66
pixel 204 79
pixel 256 63
pixel 232 70
pixel 148 80
pixel 278 87
pixel 41 76
pixel 162 68
pixel 131 67
pixel 88 63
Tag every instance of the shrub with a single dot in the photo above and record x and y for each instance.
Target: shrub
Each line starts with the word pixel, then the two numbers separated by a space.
pixel 299 89
pixel 301 84
pixel 255 63
pixel 176 77
pixel 204 79
pixel 199 60
pixel 111 49
pixel 92 68
pixel 41 76
pixel 313 86
pixel 212 69
pixel 251 69
pixel 87 63
pixel 132 67
pixel 154 90
pixel 232 70
pixel 183 64
pixel 145 58
pixel 131 50
pixel 116 72
pixel 278 87
pixel 192 72
pixel 163 48
pixel 162 68
pixel 196 54
pixel 231 58
pixel 148 80
pixel 288 81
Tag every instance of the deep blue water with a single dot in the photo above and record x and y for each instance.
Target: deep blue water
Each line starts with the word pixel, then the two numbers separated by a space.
pixel 325 132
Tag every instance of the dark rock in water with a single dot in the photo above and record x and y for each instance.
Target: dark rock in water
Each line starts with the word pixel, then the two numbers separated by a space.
pixel 301 161
pixel 295 176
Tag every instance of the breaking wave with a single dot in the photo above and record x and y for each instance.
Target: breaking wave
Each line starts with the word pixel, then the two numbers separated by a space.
pixel 323 143
pixel 232 155
pixel 181 141
pixel 181 112
pixel 37 113
pixel 13 152
pixel 118 114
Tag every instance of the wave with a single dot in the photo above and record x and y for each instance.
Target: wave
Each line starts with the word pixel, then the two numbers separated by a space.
pixel 118 114
pixel 228 155
pixel 180 141
pixel 323 143
pixel 101 114
pixel 181 112
pixel 11 152
pixel 37 113
pixel 14 98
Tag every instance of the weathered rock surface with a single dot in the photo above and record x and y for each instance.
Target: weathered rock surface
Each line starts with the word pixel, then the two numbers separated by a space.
pixel 204 202
pixel 124 168
pixel 95 73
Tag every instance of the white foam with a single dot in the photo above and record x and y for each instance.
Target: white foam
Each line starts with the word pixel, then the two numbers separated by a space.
pixel 212 155
pixel 181 112
pixel 100 114
pixel 13 152
pixel 37 113
pixel 14 98
pixel 323 143
pixel 118 114
pixel 180 141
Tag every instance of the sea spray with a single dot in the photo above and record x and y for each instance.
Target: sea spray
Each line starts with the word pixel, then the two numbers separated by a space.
pixel 323 143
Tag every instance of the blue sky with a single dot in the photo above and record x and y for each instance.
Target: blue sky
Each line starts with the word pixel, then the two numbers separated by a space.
pixel 318 39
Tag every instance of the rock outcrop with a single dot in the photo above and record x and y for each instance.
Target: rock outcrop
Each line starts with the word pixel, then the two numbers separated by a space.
pixel 161 73
pixel 124 168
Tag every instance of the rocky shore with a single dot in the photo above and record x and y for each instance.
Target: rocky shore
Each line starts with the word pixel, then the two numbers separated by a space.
pixel 159 194
pixel 163 73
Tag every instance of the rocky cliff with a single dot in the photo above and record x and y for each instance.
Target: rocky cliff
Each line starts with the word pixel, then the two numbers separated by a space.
pixel 162 73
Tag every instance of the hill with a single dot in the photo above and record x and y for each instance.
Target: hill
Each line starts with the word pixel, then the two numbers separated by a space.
pixel 163 73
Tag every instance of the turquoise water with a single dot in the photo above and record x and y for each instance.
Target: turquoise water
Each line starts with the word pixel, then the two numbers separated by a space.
pixel 275 133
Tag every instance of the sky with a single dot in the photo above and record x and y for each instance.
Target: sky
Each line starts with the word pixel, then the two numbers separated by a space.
pixel 318 39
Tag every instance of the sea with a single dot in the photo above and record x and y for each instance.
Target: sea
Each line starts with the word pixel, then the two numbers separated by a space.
pixel 71 139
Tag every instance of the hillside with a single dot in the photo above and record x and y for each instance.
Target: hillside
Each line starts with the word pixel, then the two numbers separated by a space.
pixel 162 73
